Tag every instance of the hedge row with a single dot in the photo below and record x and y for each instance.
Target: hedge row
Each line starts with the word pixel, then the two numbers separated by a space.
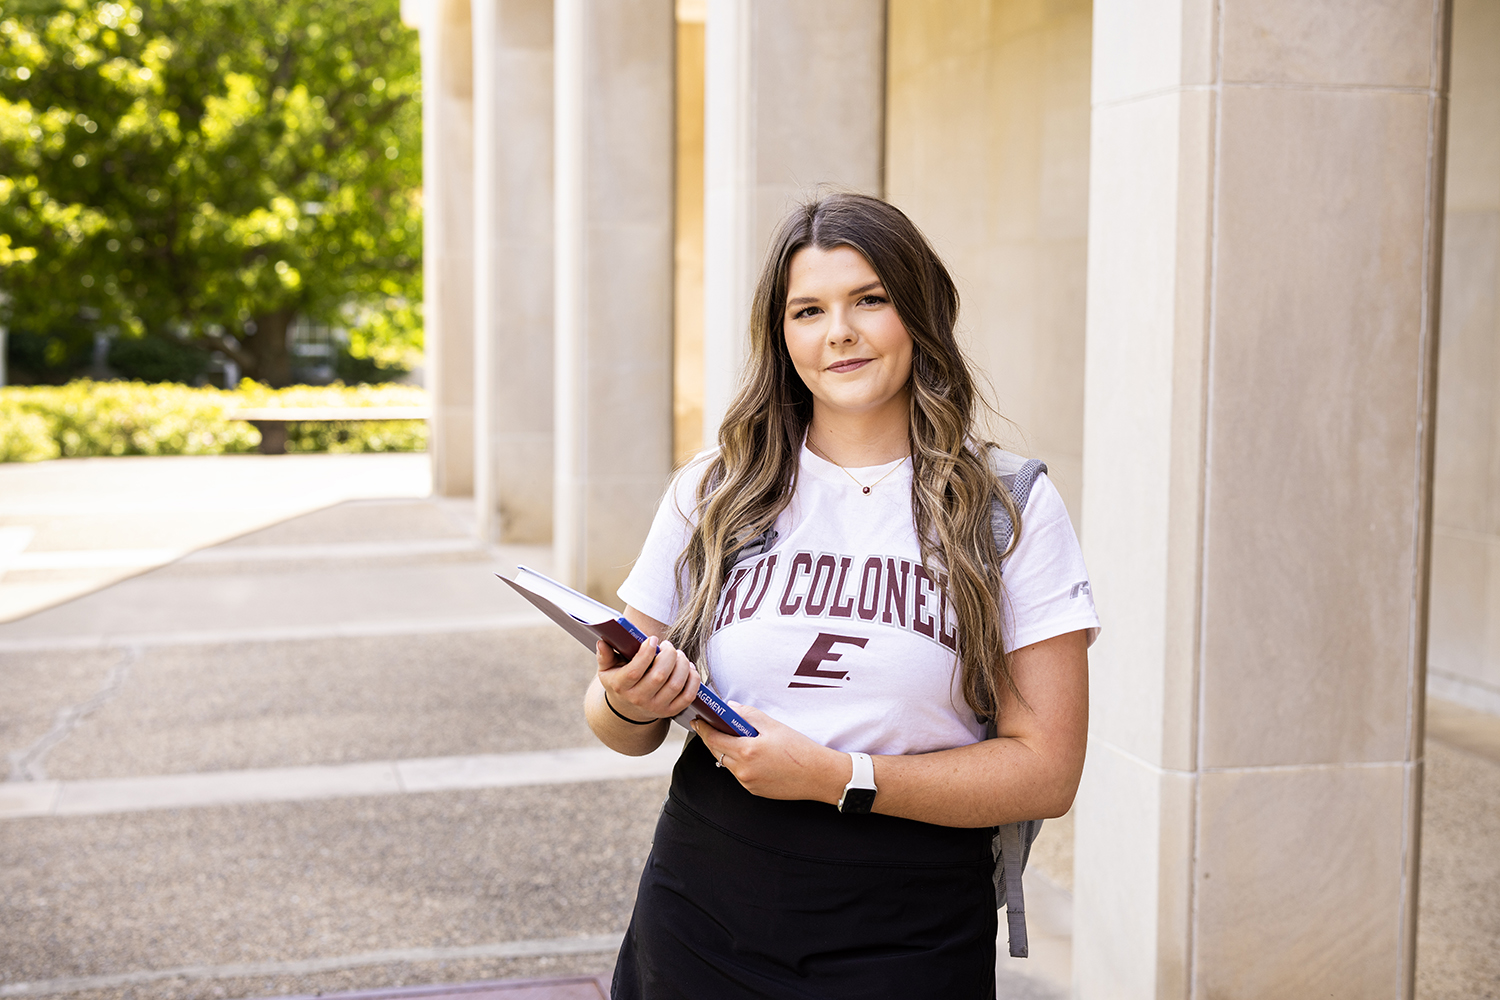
pixel 84 419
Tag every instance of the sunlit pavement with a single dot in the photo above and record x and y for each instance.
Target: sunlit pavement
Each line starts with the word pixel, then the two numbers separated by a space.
pixel 335 754
pixel 72 526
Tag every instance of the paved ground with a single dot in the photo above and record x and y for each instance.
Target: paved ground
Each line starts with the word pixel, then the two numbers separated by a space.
pixel 335 754
pixel 1458 939
pixel 68 528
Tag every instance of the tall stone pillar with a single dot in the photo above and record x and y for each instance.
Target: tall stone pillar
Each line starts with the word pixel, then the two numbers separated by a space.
pixel 794 99
pixel 448 241
pixel 513 269
pixel 1264 233
pixel 613 274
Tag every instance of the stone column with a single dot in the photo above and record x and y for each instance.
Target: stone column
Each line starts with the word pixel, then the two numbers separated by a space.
pixel 1264 227
pixel 794 99
pixel 1465 646
pixel 513 269
pixel 448 241
pixel 613 274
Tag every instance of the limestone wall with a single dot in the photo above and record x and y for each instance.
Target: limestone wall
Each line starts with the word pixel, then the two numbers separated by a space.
pixel 1464 641
pixel 987 149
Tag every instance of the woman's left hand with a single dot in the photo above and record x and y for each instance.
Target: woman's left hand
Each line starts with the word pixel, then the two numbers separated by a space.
pixel 780 763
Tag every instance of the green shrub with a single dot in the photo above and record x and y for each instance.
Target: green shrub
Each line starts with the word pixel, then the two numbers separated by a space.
pixel 40 358
pixel 157 359
pixel 360 436
pixel 353 370
pixel 24 436
pixel 258 394
pixel 85 418
pixel 344 436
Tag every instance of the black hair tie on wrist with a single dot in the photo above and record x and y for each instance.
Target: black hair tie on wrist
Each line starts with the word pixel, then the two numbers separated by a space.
pixel 633 722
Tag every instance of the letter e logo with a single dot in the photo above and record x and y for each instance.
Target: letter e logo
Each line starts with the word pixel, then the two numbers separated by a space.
pixel 822 652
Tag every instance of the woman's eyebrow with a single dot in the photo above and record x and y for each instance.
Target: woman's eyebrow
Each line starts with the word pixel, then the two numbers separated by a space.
pixel 808 299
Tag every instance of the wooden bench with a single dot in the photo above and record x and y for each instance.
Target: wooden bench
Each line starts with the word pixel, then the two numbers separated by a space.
pixel 272 421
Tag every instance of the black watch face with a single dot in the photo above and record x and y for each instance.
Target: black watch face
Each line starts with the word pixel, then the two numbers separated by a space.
pixel 857 800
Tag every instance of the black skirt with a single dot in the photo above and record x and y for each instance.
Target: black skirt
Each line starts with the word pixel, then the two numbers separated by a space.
pixel 750 897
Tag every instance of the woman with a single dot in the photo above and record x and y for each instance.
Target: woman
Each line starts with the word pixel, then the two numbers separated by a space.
pixel 833 565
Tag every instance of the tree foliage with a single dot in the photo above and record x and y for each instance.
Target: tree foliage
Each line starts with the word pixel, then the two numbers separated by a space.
pixel 208 169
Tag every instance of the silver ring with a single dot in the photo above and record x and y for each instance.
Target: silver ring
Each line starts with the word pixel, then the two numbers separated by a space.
pixel 720 761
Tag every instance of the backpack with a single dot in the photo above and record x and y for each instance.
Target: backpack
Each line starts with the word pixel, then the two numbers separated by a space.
pixel 1011 845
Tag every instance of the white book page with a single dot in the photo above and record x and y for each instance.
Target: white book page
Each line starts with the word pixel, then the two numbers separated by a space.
pixel 580 606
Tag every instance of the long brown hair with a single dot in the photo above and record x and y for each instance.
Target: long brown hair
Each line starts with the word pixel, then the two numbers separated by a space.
pixel 751 479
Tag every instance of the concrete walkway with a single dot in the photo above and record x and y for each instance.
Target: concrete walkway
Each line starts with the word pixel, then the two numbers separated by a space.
pixel 69 527
pixel 336 754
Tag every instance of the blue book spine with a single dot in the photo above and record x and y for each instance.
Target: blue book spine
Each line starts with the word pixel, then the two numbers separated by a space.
pixel 716 704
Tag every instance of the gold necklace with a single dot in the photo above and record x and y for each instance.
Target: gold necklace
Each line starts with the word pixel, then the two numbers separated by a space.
pixel 819 452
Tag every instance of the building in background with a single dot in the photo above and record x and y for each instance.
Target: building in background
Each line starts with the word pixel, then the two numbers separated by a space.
pixel 1203 249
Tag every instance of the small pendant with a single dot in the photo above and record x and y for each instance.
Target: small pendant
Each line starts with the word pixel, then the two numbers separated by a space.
pixel 867 489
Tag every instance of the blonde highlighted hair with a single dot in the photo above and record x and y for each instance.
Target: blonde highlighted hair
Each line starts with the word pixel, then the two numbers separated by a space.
pixel 751 478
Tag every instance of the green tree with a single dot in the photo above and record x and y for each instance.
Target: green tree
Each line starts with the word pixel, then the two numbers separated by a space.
pixel 208 169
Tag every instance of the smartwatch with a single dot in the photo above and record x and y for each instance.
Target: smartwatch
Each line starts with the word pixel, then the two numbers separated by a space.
pixel 859 794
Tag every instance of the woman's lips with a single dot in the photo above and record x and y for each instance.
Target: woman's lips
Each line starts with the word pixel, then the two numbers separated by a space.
pixel 854 364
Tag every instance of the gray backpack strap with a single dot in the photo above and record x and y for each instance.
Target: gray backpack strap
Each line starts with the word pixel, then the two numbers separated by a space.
pixel 1011 848
pixel 1017 477
pixel 1012 843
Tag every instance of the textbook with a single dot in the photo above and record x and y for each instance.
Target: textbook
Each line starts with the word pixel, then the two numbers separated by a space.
pixel 588 621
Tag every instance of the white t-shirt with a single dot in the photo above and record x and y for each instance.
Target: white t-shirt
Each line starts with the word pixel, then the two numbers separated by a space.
pixel 837 630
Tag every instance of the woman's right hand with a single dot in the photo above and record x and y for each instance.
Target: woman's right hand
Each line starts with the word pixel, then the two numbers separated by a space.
pixel 649 686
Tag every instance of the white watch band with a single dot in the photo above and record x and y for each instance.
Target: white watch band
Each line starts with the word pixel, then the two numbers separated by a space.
pixel 864 771
pixel 859 794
